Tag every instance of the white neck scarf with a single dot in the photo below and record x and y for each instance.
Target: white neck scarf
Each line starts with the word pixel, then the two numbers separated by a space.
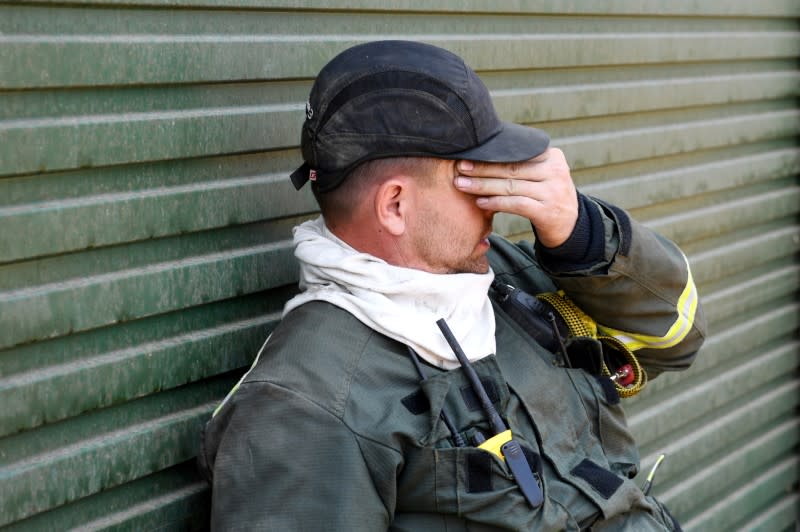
pixel 401 303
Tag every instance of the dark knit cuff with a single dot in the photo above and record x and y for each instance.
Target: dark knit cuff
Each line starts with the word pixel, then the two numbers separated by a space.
pixel 584 248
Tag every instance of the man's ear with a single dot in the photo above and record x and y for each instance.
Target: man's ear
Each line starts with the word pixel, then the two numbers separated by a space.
pixel 392 203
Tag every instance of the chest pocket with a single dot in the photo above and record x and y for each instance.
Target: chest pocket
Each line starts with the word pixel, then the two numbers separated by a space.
pixel 608 422
pixel 582 427
pixel 465 481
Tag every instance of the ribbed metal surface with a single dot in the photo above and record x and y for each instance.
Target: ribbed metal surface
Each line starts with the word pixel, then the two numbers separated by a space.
pixel 145 217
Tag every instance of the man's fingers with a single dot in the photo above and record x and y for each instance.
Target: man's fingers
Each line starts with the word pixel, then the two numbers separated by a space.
pixel 523 170
pixel 540 190
pixel 520 205
pixel 517 170
pixel 492 186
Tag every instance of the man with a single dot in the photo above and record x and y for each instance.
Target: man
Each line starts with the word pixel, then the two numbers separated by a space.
pixel 340 426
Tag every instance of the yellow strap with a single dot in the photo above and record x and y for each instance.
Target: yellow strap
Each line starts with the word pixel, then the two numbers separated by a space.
pixel 639 374
pixel 496 442
pixel 579 323
pixel 582 325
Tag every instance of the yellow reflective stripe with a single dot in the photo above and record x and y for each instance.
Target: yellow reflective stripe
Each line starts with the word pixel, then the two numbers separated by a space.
pixel 686 308
pixel 236 386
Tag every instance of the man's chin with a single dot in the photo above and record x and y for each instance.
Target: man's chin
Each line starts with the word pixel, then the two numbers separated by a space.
pixel 477 266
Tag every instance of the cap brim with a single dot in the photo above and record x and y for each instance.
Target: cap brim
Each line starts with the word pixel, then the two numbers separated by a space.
pixel 514 143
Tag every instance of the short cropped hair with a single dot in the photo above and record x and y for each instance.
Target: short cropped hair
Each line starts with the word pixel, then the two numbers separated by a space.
pixel 336 205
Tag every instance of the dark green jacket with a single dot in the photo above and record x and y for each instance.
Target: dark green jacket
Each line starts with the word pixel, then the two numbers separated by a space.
pixel 332 428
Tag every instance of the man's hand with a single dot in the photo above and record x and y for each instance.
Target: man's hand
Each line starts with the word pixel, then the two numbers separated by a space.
pixel 540 189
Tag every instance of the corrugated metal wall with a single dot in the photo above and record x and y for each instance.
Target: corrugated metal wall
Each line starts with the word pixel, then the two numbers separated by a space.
pixel 145 217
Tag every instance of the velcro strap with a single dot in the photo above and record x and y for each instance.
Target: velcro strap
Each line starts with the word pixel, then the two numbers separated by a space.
pixel 605 482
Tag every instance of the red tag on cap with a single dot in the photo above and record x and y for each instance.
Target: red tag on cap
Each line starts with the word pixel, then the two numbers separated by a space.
pixel 312 175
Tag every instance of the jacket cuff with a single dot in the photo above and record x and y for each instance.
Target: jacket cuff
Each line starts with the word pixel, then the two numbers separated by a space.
pixel 584 248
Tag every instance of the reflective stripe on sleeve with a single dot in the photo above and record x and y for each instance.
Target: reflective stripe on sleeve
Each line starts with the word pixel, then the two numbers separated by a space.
pixel 686 308
pixel 239 382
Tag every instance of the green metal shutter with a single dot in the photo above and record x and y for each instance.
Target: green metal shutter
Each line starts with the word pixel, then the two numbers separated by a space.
pixel 145 216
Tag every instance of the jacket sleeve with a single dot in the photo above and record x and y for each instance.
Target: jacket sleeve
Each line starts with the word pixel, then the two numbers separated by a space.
pixel 278 461
pixel 636 284
pixel 638 287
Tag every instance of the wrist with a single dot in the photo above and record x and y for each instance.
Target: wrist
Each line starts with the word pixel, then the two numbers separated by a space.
pixel 585 244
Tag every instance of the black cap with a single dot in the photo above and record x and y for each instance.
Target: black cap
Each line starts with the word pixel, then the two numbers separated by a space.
pixel 401 98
